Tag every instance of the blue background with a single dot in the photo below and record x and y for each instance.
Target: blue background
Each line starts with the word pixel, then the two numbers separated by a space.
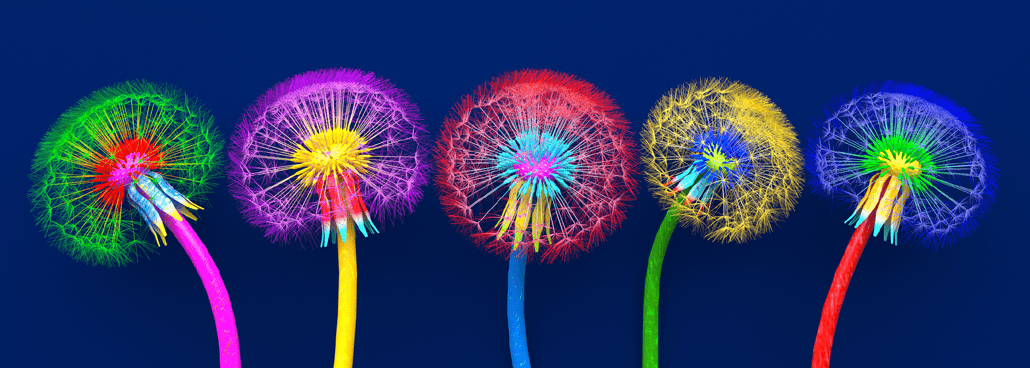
pixel 426 295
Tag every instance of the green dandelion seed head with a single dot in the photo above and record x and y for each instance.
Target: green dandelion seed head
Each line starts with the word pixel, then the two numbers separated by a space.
pixel 78 198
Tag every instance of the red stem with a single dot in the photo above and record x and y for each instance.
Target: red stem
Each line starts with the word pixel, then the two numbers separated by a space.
pixel 834 300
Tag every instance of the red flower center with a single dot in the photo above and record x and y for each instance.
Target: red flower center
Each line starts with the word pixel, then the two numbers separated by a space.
pixel 127 161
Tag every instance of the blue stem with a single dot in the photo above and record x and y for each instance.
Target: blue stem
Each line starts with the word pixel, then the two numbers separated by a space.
pixel 516 314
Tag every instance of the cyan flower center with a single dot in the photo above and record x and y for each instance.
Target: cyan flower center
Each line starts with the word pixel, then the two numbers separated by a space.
pixel 536 166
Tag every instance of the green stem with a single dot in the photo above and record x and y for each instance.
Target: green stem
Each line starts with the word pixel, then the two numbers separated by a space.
pixel 654 274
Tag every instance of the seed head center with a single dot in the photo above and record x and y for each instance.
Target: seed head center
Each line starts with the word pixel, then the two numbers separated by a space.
pixel 899 164
pixel 718 161
pixel 132 166
pixel 330 153
pixel 530 167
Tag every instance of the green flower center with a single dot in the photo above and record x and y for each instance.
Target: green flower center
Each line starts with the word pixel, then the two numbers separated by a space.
pixel 899 157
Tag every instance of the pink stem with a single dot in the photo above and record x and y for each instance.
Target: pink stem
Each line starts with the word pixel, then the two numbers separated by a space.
pixel 225 321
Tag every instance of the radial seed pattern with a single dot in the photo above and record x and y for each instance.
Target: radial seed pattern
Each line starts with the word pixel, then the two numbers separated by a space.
pixel 724 157
pixel 919 149
pixel 536 158
pixel 139 143
pixel 326 147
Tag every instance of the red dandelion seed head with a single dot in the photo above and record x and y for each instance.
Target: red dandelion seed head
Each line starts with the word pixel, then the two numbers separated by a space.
pixel 539 159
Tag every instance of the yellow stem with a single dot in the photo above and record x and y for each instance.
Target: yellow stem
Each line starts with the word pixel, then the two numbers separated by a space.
pixel 348 299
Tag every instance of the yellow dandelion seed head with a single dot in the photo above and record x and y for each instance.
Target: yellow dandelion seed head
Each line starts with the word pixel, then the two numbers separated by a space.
pixel 747 194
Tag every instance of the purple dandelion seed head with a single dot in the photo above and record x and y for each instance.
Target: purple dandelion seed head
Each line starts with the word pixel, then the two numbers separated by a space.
pixel 266 153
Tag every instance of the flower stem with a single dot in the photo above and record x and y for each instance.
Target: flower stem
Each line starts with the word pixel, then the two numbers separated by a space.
pixel 835 298
pixel 516 313
pixel 348 299
pixel 651 287
pixel 225 320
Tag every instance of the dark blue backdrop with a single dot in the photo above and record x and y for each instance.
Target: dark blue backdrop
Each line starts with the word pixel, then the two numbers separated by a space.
pixel 427 296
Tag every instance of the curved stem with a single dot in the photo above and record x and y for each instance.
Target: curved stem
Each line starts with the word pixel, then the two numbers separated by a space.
pixel 651 287
pixel 347 303
pixel 225 321
pixel 516 313
pixel 835 298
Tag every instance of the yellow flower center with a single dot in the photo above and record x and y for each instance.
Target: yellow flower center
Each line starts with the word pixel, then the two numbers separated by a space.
pixel 899 164
pixel 330 153
pixel 887 193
